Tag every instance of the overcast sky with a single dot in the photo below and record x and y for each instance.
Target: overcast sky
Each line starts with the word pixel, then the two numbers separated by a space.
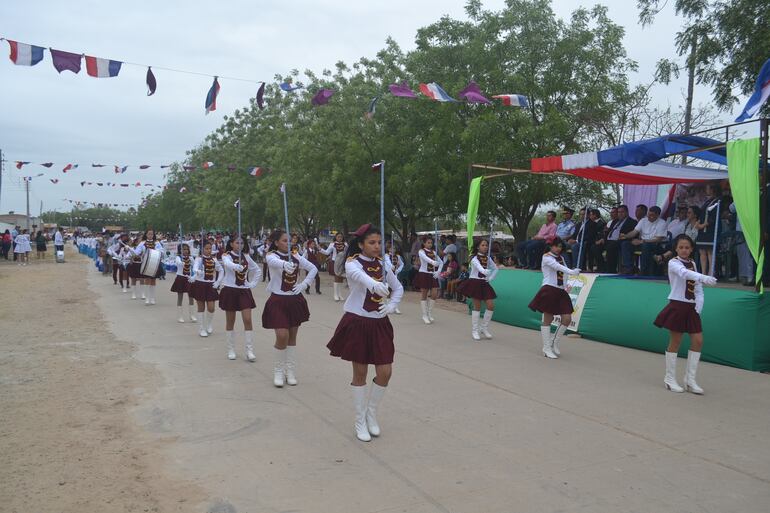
pixel 65 117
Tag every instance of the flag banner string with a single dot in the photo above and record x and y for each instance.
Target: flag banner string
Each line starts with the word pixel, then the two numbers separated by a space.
pixel 23 54
pixel 100 204
pixel 256 171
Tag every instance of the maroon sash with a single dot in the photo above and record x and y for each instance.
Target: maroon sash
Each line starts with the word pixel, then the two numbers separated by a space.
pixel 432 256
pixel 373 269
pixel 559 274
pixel 288 280
pixel 240 277
pixel 689 290
pixel 186 265
pixel 208 268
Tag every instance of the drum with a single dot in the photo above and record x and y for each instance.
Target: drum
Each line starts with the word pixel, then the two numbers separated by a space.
pixel 60 257
pixel 151 260
pixel 339 265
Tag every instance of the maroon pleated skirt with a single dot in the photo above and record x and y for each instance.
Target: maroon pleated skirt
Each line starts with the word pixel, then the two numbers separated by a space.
pixel 363 340
pixel 476 289
pixel 133 270
pixel 330 266
pixel 425 281
pixel 551 300
pixel 284 312
pixel 203 291
pixel 679 316
pixel 181 284
pixel 234 299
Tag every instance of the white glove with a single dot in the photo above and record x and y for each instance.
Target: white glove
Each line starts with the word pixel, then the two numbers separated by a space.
pixel 298 288
pixel 239 268
pixel 698 309
pixel 216 285
pixel 252 284
pixel 709 280
pixel 387 308
pixel 381 289
pixel 191 279
pixel 574 272
pixel 289 266
pixel 437 275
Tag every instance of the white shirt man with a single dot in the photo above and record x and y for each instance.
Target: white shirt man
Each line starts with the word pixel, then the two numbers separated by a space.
pixel 679 223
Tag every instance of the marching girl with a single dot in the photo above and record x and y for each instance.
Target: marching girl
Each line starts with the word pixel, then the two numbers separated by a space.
pixel 113 251
pixel 336 252
pixel 241 274
pixel 207 274
pixel 311 254
pixel 120 256
pixel 552 298
pixel 395 263
pixel 477 287
pixel 184 280
pixel 682 314
pixel 286 308
pixel 364 335
pixel 134 270
pixel 296 245
pixel 149 242
pixel 427 278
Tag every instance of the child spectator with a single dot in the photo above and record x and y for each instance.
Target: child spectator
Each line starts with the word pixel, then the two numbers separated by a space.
pixel 451 285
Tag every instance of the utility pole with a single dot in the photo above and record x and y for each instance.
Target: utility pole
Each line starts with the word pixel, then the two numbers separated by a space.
pixel 2 165
pixel 26 186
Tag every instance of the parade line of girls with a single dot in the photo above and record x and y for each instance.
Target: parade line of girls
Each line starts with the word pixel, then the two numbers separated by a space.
pixel 427 279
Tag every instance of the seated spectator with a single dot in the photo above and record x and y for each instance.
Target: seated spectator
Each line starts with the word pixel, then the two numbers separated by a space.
pixel 677 224
pixel 573 241
pixel 597 247
pixel 693 215
pixel 451 285
pixel 566 229
pixel 649 233
pixel 622 226
pixel 415 267
pixel 530 252
pixel 450 248
pixel 640 212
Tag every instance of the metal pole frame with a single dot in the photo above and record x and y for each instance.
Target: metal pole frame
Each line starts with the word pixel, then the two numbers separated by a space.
pixel 382 205
pixel 286 211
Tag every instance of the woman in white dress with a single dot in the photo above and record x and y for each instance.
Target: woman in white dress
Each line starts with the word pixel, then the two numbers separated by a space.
pixel 23 248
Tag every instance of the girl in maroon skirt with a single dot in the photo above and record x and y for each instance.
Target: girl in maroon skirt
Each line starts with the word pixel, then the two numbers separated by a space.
pixel 134 271
pixel 311 254
pixel 241 274
pixel 364 336
pixel 149 241
pixel 552 298
pixel 286 308
pixel 335 264
pixel 682 314
pixel 207 275
pixel 426 278
pixel 477 287
pixel 183 281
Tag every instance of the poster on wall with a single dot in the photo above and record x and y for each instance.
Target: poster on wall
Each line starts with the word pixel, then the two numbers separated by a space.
pixel 578 288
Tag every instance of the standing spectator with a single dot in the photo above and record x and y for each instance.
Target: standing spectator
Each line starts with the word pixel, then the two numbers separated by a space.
pixel 649 233
pixel 449 273
pixel 613 244
pixel 14 233
pixel 58 240
pixel 529 252
pixel 600 243
pixel 5 244
pixel 451 285
pixel 22 248
pixel 640 212
pixel 566 229
pixel 450 248
pixel 707 228
pixel 41 244
pixel 745 260
pixel 573 241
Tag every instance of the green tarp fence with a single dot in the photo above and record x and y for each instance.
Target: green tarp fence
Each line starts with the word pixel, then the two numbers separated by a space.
pixel 736 323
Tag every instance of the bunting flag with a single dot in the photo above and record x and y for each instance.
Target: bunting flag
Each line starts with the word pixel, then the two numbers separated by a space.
pixel 164 166
pixel 188 168
pixel 286 86
pixel 322 97
pixel 402 90
pixel 68 167
pixel 66 61
pixel 255 171
pixel 261 96
pixel 54 180
pixel 207 165
pixel 145 166
pixel 231 167
pixel 97 165
pixel 472 94
pixel 237 203
pixel 434 92
pixel 152 84
pixel 25 55
pixel 47 164
pixel 513 100
pixel 372 108
pixel 211 97
pixel 183 189
pixel 21 163
pixel 102 68
pixel 120 170
pixel 760 96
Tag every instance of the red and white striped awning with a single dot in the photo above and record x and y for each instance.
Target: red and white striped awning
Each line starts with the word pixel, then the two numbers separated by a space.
pixel 586 165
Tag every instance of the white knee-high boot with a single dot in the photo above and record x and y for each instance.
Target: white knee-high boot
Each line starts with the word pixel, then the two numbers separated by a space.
pixel 201 324
pixel 181 317
pixel 336 291
pixel 230 345
pixel 191 309
pixel 249 346
pixel 375 396
pixel 279 360
pixel 143 290
pixel 555 345
pixel 424 308
pixel 360 402
pixel 689 377
pixel 545 333
pixel 291 365
pixel 210 319
pixel 670 380
pixel 152 294
pixel 475 324
pixel 485 324
pixel 430 309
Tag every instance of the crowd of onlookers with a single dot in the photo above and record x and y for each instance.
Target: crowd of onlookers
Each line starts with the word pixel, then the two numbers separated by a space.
pixel 16 243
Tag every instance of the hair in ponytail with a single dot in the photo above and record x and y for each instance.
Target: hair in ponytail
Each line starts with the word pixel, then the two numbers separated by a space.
pixel 274 237
pixel 359 236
